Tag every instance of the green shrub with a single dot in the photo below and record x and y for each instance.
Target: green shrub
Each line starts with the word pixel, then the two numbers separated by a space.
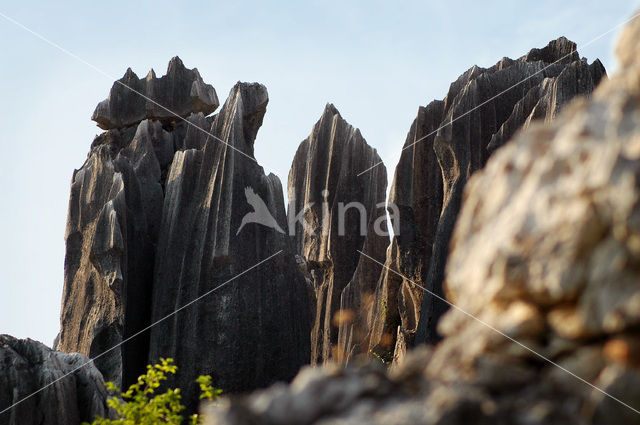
pixel 140 405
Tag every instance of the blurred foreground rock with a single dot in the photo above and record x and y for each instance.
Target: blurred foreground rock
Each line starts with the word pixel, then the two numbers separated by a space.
pixel 546 251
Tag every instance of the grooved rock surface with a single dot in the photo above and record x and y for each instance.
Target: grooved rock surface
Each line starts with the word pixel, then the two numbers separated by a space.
pixel 547 251
pixel 448 141
pixel 163 212
pixel 323 184
pixel 255 329
pixel 417 191
pixel 180 92
pixel 114 212
pixel 28 366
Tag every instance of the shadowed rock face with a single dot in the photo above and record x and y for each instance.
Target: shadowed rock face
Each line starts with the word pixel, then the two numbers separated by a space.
pixel 28 366
pixel 324 178
pixel 417 192
pixel 449 141
pixel 154 220
pixel 254 330
pixel 546 250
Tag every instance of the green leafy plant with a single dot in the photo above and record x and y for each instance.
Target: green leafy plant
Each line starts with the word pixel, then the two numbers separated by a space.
pixel 383 311
pixel 384 358
pixel 140 405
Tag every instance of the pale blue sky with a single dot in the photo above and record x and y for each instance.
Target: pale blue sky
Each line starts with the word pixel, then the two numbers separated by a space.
pixel 376 61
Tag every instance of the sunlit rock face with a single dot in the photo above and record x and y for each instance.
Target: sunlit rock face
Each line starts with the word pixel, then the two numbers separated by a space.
pixel 154 222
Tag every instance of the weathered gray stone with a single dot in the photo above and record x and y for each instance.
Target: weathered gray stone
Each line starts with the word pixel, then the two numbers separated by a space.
pixel 548 230
pixel 417 193
pixel 254 330
pixel 173 96
pixel 550 221
pixel 324 178
pixel 29 366
pixel 114 211
pixel 155 221
pixel 447 143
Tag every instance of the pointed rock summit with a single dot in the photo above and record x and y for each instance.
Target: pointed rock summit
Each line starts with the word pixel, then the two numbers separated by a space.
pixel 339 210
pixel 255 329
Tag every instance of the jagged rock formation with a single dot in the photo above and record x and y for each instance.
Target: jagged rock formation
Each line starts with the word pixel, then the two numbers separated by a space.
pixel 154 222
pixel 256 329
pixel 28 366
pixel 547 243
pixel 417 192
pixel 324 187
pixel 114 211
pixel 180 92
pixel 546 250
pixel 449 141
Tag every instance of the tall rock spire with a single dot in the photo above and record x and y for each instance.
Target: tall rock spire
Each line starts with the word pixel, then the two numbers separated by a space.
pixel 323 181
pixel 154 220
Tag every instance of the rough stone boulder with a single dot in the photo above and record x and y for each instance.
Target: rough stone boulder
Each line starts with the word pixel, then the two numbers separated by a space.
pixel 28 366
pixel 156 219
pixel 448 141
pixel 318 395
pixel 546 251
pixel 338 211
pixel 180 92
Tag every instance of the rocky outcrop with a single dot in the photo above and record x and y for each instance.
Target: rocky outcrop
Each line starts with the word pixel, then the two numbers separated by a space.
pixel 338 211
pixel 544 264
pixel 462 146
pixel 255 330
pixel 176 95
pixel 156 220
pixel 417 192
pixel 547 243
pixel 449 141
pixel 33 378
pixel 318 395
pixel 114 211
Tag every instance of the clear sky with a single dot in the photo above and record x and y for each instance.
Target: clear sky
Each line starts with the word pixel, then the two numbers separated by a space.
pixel 376 61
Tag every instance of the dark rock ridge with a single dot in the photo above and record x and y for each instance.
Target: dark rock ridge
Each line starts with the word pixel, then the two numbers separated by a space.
pixel 28 366
pixel 439 155
pixel 154 222
pixel 546 250
pixel 324 178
